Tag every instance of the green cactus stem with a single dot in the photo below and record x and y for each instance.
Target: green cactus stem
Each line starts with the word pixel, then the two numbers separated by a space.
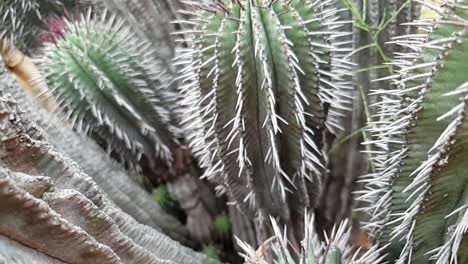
pixel 108 84
pixel 261 86
pixel 418 181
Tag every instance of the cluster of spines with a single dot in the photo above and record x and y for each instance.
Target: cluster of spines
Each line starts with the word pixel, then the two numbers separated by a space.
pixel 22 21
pixel 239 62
pixel 411 136
pixel 334 249
pixel 13 21
pixel 107 82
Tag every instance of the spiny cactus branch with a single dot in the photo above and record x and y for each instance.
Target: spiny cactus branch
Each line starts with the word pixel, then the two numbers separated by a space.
pixel 261 83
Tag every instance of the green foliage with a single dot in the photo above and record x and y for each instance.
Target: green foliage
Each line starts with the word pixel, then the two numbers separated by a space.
pixel 222 226
pixel 212 251
pixel 107 82
pixel 162 197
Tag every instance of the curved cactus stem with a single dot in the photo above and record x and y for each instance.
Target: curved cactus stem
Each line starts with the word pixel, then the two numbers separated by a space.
pixel 80 211
pixel 27 152
pixel 36 186
pixel 119 93
pixel 27 220
pixel 119 187
pixel 441 186
pixel 16 253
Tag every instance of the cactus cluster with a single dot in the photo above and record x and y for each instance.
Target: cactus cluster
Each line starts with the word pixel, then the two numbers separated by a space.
pixel 57 212
pixel 262 90
pixel 262 82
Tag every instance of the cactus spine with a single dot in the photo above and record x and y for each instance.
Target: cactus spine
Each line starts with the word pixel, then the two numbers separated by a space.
pixel 21 21
pixel 107 83
pixel 16 21
pixel 259 82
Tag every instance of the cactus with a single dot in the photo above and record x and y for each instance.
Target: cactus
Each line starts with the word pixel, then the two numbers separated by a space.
pixel 335 250
pixel 65 214
pixel 17 21
pixel 22 21
pixel 120 188
pixel 261 86
pixel 107 83
pixel 418 143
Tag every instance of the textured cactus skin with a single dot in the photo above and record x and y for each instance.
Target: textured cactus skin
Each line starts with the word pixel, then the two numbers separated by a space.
pixel 60 226
pixel 108 84
pixel 418 182
pixel 258 86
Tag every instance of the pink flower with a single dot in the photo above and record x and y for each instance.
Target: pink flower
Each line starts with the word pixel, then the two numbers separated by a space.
pixel 56 30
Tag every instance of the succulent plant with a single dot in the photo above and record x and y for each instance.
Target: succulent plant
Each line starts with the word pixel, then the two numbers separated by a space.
pixel 108 84
pixel 376 22
pixel 261 85
pixel 23 20
pixel 419 137
pixel 154 20
pixel 334 250
pixel 65 214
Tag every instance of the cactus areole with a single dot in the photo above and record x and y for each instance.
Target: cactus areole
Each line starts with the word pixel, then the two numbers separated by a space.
pixel 108 84
pixel 260 83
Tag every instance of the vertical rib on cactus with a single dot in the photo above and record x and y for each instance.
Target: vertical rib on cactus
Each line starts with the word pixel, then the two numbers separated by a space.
pixel 408 126
pixel 258 79
pixel 440 188
pixel 457 242
pixel 107 83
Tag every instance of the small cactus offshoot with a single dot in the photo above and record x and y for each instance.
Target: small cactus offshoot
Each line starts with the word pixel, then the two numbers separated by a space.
pixel 108 84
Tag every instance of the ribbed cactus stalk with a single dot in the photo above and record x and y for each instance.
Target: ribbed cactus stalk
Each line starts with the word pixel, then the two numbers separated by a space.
pixel 419 138
pixel 108 84
pixel 261 85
